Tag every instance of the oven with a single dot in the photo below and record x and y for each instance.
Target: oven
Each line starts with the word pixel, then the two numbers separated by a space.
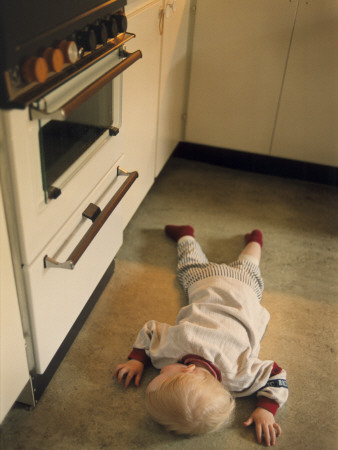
pixel 62 170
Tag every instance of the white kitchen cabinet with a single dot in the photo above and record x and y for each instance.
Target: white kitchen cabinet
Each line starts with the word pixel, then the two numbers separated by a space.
pixel 13 362
pixel 140 100
pixel 239 55
pixel 307 123
pixel 154 92
pixel 173 79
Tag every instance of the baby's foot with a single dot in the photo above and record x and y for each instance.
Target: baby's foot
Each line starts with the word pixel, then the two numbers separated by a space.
pixel 175 232
pixel 254 236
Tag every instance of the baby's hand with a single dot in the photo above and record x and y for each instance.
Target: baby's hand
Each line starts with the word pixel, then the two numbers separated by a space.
pixel 264 423
pixel 130 369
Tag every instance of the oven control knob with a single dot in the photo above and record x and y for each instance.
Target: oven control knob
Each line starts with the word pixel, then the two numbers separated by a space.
pixel 70 51
pixel 122 23
pixel 86 39
pixel 34 69
pixel 112 27
pixel 101 32
pixel 54 58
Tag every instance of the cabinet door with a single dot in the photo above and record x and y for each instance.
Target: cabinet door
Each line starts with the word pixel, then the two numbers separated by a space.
pixel 240 49
pixel 140 101
pixel 307 125
pixel 173 81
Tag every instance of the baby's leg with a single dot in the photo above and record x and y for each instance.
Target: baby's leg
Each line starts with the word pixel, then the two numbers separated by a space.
pixel 191 261
pixel 248 262
pixel 253 248
pixel 191 258
pixel 175 232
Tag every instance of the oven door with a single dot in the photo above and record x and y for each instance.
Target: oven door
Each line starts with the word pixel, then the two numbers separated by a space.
pixel 62 146
pixel 77 114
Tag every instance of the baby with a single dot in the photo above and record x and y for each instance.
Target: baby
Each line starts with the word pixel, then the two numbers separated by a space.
pixel 210 355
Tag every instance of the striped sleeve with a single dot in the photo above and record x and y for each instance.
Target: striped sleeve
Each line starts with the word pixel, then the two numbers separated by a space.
pixel 275 393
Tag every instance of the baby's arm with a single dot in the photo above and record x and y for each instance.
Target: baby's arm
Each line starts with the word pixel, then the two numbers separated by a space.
pixel 273 395
pixel 132 368
pixel 138 358
pixel 129 369
pixel 264 423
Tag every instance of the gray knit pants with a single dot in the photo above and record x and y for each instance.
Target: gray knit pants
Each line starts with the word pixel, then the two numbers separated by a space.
pixel 193 266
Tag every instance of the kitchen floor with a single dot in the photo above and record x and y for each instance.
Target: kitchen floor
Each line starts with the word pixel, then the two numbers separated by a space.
pixel 83 408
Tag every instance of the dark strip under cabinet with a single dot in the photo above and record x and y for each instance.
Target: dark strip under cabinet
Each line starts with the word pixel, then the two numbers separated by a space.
pixel 268 165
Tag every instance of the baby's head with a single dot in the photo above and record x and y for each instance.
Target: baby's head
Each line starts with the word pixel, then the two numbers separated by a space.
pixel 188 400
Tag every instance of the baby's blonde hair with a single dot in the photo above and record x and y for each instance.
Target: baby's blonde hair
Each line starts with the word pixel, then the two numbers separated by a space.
pixel 190 403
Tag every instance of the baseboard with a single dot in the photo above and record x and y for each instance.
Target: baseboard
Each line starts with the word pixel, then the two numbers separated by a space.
pixel 252 162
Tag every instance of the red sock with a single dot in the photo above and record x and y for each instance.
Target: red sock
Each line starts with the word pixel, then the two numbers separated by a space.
pixel 254 236
pixel 177 231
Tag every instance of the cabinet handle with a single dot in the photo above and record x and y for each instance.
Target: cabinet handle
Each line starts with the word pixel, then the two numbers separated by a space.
pixel 161 22
pixel 169 6
pixel 96 226
pixel 75 102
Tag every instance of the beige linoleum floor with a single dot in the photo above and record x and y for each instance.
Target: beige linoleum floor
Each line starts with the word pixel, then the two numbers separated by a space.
pixel 83 408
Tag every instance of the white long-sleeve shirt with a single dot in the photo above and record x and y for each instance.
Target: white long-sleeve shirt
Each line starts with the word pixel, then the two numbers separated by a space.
pixel 224 324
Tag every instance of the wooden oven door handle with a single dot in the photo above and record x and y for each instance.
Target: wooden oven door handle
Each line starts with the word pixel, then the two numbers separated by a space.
pixel 99 221
pixel 63 112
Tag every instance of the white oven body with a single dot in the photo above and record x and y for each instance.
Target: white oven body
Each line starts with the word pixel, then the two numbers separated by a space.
pixel 56 297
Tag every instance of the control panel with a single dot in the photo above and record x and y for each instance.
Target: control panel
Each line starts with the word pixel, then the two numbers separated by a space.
pixel 42 67
pixel 37 67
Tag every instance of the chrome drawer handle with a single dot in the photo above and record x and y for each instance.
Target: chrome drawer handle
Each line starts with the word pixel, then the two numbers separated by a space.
pixel 96 226
pixel 75 102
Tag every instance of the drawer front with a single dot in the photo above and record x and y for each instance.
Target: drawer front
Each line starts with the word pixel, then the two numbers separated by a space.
pixel 57 296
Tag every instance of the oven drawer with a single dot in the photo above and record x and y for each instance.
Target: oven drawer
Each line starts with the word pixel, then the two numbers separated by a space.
pixel 57 296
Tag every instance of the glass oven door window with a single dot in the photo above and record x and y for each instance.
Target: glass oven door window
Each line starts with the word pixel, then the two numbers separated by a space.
pixel 66 145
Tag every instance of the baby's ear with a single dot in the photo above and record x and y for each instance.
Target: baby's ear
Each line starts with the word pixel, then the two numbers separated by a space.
pixel 189 368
